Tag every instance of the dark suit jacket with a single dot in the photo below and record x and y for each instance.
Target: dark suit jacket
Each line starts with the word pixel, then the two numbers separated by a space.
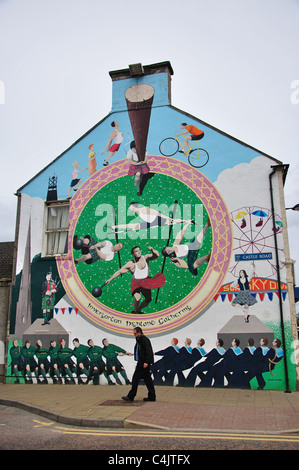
pixel 245 364
pixel 210 359
pixel 195 356
pixel 168 353
pixel 144 350
pixel 182 357
pixel 230 359
pixel 246 360
pixel 259 357
pixel 190 359
pixel 264 364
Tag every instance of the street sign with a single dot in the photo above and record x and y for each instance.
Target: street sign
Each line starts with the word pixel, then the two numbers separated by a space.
pixel 253 256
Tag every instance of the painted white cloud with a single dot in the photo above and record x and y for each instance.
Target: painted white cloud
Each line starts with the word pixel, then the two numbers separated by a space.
pixel 246 184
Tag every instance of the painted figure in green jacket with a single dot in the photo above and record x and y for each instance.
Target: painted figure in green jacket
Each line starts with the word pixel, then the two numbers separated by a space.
pixel 28 353
pixel 80 352
pixel 66 362
pixel 42 361
pixel 54 362
pixel 17 361
pixel 97 365
pixel 111 353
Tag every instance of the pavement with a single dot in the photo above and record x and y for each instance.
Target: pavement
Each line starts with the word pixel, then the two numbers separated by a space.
pixel 176 408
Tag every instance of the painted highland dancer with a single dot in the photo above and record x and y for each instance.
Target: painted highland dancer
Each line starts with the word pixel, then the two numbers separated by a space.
pixel 244 298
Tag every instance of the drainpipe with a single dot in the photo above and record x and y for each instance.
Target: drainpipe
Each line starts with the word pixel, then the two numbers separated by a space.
pixel 278 279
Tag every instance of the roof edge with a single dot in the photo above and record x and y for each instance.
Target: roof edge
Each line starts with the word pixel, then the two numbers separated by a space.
pixel 150 69
pixel 279 162
pixel 61 154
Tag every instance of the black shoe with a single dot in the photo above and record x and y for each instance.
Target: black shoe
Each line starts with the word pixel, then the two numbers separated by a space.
pixel 127 399
pixel 96 379
pixel 69 382
pixel 149 399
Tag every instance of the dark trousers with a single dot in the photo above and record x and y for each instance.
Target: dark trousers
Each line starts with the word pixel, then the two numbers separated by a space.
pixel 145 374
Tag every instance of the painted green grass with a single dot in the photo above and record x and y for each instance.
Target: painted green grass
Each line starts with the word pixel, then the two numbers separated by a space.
pixel 162 190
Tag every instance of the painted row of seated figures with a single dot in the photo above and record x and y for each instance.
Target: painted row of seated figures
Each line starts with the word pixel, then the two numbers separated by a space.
pixel 62 364
pixel 218 367
pixel 233 367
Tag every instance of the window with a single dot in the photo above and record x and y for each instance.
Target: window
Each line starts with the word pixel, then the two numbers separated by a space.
pixel 56 229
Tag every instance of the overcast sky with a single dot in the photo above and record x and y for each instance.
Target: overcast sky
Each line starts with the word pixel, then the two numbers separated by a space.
pixel 236 67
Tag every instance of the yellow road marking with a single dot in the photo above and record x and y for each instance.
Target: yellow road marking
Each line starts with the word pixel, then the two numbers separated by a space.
pixel 182 435
pixel 41 423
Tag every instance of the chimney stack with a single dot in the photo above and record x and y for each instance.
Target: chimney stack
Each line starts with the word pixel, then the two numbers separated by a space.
pixel 158 76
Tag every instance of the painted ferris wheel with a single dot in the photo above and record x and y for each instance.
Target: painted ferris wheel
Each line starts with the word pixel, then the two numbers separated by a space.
pixel 254 234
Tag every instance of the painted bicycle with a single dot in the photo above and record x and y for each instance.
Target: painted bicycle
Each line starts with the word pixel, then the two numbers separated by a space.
pixel 197 157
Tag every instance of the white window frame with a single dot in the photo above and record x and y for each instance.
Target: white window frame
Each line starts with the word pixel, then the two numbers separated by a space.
pixel 58 230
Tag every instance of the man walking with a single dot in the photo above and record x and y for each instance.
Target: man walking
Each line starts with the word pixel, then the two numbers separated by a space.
pixel 143 354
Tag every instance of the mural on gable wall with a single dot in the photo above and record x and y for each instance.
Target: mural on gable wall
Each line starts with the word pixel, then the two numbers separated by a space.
pixel 152 242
